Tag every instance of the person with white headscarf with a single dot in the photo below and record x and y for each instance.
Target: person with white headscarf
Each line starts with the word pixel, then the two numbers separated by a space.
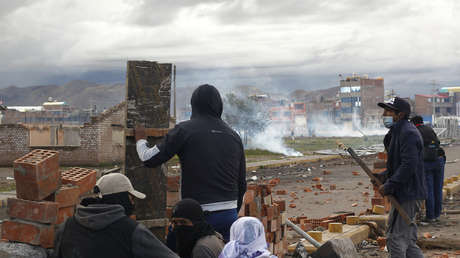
pixel 247 240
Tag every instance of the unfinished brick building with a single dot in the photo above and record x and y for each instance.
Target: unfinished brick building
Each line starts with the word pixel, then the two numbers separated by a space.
pixel 95 143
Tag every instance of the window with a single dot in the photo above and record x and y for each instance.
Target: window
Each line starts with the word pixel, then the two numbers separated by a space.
pixel 429 100
pixel 345 90
pixel 287 113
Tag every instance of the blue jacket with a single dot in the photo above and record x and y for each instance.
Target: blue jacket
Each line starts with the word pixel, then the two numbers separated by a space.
pixel 405 175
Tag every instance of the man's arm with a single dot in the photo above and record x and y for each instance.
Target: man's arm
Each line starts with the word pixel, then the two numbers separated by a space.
pixel 145 244
pixel 159 154
pixel 241 180
pixel 409 158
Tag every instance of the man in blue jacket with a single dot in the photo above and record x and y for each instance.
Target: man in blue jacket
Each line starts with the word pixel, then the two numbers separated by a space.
pixel 404 177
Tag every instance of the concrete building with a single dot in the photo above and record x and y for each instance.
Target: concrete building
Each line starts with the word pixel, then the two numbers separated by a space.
pixel 358 97
pixel 440 104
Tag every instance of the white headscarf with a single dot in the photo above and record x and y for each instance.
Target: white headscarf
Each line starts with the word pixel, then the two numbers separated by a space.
pixel 247 239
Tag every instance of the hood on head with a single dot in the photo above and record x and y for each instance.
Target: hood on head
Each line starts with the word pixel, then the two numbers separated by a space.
pixel 98 216
pixel 206 100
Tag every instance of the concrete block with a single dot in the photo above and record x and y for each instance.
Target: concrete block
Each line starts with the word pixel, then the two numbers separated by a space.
pixel 28 232
pixel 65 196
pixel 335 227
pixel 352 220
pixel 37 174
pixel 317 235
pixel 378 209
pixel 35 211
pixel 84 178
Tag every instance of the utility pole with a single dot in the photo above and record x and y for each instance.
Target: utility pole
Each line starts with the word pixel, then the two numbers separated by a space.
pixel 433 101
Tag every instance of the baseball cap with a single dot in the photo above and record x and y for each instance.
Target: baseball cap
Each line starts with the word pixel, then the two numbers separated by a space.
pixel 396 104
pixel 117 183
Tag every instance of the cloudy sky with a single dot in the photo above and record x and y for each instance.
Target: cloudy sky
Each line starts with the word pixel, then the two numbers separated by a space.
pixel 268 43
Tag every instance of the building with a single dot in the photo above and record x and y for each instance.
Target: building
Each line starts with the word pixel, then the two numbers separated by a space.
pixel 358 97
pixel 440 104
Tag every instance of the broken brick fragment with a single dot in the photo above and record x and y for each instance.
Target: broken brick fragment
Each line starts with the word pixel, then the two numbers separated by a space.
pixel 354 204
pixel 281 192
pixel 355 173
pixel 316 179
pixel 307 189
pixel 327 172
pixel 292 205
pixel 382 242
pixel 332 187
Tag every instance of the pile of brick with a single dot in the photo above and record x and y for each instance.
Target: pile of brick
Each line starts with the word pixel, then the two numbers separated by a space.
pixel 258 202
pixel 46 197
pixel 172 193
pixel 380 204
pixel 309 224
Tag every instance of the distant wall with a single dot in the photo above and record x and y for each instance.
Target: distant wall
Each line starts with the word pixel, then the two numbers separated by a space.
pixel 95 143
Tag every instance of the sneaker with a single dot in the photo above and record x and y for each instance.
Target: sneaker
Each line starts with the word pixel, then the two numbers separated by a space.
pixel 427 220
pixel 438 219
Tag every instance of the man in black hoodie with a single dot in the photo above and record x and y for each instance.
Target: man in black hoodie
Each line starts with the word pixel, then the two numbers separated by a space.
pixel 101 227
pixel 212 159
pixel 434 161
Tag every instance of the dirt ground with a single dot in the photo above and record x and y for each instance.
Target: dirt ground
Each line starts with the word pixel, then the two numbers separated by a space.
pixel 352 193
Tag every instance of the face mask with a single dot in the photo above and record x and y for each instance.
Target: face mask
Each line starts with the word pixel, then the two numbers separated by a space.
pixel 388 121
pixel 185 240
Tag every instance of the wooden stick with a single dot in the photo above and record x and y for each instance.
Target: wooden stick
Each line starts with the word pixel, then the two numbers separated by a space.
pixel 378 183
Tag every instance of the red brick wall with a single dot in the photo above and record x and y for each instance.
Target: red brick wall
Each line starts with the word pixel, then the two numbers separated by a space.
pixel 96 143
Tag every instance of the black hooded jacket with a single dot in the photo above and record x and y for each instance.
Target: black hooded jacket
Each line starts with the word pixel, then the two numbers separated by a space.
pixel 211 153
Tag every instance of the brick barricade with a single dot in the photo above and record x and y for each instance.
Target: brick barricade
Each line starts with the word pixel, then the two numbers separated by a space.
pixel 42 202
pixel 258 202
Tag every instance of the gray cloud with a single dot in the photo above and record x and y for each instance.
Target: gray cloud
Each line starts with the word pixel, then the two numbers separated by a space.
pixel 281 44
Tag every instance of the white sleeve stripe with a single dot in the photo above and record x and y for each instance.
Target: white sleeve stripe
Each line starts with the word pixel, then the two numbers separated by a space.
pixel 145 153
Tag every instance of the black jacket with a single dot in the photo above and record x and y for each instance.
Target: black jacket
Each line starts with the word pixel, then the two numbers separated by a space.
pixel 430 143
pixel 405 176
pixel 211 154
pixel 103 230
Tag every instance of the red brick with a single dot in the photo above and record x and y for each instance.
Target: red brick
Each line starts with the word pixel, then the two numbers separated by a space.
pixel 355 173
pixel 172 198
pixel 380 164
pixel 332 187
pixel 281 204
pixel 307 189
pixel 169 212
pixel 378 170
pixel 28 232
pixel 281 192
pixel 274 181
pixel 82 177
pixel 64 213
pixel 264 221
pixel 65 196
pixel 272 225
pixel 37 174
pixel 36 211
pixel 268 211
pixel 173 183
pixel 382 155
pixel 325 223
pixel 292 205
pixel 327 172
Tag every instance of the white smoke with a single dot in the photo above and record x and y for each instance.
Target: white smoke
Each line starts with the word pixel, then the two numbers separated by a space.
pixel 271 139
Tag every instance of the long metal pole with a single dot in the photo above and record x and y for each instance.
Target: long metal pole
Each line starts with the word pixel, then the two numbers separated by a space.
pixel 302 233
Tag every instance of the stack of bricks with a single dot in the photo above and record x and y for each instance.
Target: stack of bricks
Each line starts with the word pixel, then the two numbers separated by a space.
pixel 379 203
pixel 172 193
pixel 42 201
pixel 258 202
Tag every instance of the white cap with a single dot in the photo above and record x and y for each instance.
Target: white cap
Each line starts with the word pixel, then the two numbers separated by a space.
pixel 117 183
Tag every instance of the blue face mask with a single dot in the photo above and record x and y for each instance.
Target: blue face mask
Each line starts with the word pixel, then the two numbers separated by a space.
pixel 388 121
